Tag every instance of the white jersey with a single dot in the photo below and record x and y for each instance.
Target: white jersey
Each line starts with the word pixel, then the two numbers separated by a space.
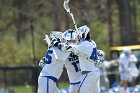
pixel 126 64
pixel 87 49
pixel 73 69
pixel 127 68
pixel 54 64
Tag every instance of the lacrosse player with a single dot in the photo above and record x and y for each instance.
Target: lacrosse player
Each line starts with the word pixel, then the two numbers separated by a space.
pixel 72 62
pixel 103 73
pixel 52 66
pixel 89 62
pixel 127 68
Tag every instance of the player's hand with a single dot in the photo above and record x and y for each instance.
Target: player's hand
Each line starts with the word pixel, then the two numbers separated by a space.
pixel 54 42
pixel 100 54
pixel 69 48
pixel 65 48
pixel 73 55
pixel 42 62
pixel 131 59
pixel 99 62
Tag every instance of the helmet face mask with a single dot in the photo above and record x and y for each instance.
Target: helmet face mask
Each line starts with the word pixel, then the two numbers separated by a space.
pixel 83 31
pixel 70 36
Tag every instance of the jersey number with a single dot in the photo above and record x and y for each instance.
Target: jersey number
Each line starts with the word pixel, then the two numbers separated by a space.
pixel 48 57
pixel 75 65
pixel 94 54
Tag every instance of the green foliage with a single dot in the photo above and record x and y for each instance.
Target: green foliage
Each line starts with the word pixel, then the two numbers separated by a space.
pixel 16 15
pixel 99 34
pixel 14 53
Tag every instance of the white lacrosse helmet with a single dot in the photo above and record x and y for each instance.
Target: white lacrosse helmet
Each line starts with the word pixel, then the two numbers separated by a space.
pixel 127 51
pixel 70 34
pixel 83 31
pixel 55 35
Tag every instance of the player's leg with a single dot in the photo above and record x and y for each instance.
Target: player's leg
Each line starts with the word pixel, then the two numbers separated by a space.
pixel 132 81
pixel 42 85
pixel 96 83
pixel 53 87
pixel 47 85
pixel 84 81
pixel 74 88
pixel 104 81
pixel 89 82
pixel 124 80
pixel 96 86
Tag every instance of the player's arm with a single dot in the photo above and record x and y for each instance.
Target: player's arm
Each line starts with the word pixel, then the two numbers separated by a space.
pixel 133 59
pixel 96 57
pixel 54 43
pixel 100 59
pixel 62 46
pixel 65 48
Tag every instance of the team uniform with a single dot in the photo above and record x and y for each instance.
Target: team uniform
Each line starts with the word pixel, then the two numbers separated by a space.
pixel 89 62
pixel 51 71
pixel 103 73
pixel 89 81
pixel 127 68
pixel 52 66
pixel 72 63
pixel 74 73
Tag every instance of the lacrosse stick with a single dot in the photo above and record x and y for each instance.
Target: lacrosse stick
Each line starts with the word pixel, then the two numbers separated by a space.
pixel 47 40
pixel 67 8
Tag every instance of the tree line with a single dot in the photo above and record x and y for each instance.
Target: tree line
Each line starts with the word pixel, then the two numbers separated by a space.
pixel 24 23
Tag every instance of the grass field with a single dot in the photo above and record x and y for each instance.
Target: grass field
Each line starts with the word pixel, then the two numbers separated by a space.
pixel 20 89
pixel 29 89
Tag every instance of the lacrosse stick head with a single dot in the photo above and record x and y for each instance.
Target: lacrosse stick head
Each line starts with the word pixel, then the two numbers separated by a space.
pixel 47 39
pixel 66 5
pixel 83 31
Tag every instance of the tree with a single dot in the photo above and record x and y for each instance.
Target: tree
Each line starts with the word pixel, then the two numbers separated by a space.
pixel 109 8
pixel 125 22
pixel 57 12
pixel 134 22
pixel 84 6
